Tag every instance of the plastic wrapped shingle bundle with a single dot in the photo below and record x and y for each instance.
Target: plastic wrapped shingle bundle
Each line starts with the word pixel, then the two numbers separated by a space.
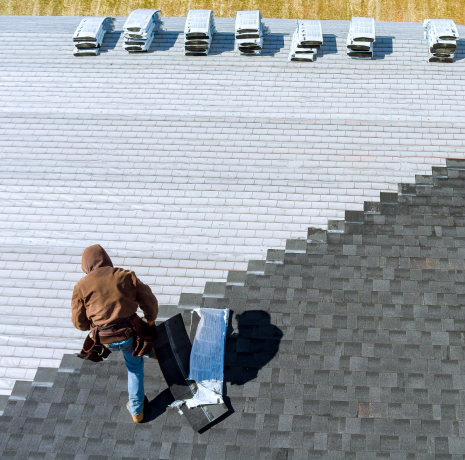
pixel 306 40
pixel 140 28
pixel 89 35
pixel 442 36
pixel 206 367
pixel 198 32
pixel 360 38
pixel 249 32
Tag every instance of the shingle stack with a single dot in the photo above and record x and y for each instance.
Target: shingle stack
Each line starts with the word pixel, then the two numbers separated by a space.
pixel 306 41
pixel 89 35
pixel 361 38
pixel 442 36
pixel 198 32
pixel 249 32
pixel 140 28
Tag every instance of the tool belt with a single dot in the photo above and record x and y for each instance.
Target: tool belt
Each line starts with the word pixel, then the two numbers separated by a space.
pixel 144 335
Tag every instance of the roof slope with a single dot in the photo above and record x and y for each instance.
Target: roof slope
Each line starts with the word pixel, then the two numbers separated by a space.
pixel 184 168
pixel 348 344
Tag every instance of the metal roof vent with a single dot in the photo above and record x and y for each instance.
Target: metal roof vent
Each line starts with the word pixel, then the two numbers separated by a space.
pixel 249 31
pixel 89 35
pixel 306 40
pixel 140 28
pixel 442 36
pixel 361 38
pixel 198 32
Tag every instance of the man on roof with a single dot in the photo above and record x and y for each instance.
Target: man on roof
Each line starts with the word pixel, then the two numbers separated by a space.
pixel 105 302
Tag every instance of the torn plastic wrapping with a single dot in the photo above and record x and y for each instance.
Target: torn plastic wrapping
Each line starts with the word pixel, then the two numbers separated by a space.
pixel 177 405
pixel 306 40
pixel 207 359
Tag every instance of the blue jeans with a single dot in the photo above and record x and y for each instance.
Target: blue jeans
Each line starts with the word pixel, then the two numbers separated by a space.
pixel 135 368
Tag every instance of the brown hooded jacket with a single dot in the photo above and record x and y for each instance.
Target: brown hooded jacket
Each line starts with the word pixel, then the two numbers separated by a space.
pixel 108 294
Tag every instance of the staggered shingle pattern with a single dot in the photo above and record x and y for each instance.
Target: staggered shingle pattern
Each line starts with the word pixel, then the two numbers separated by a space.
pixel 181 168
pixel 346 345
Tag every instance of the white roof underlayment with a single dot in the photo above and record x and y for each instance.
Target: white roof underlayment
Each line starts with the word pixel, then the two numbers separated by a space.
pixel 185 167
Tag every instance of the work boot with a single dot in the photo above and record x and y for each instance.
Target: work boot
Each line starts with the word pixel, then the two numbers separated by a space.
pixel 154 355
pixel 140 417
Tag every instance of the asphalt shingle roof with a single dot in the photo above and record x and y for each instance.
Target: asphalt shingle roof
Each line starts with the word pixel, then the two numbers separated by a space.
pixel 186 168
pixel 351 349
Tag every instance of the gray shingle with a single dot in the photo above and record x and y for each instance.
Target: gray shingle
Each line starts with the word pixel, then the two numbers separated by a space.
pixel 348 350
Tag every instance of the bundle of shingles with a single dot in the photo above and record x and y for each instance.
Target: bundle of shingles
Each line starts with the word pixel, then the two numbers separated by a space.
pixel 306 40
pixel 361 38
pixel 140 28
pixel 249 32
pixel 198 32
pixel 89 35
pixel 442 36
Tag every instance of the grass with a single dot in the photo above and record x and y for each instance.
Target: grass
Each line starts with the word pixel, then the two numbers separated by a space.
pixel 381 10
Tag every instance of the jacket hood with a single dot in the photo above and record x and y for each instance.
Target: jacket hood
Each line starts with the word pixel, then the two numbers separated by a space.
pixel 95 257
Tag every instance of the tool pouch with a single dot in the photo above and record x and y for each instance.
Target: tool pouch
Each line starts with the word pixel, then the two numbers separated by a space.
pixel 93 350
pixel 145 336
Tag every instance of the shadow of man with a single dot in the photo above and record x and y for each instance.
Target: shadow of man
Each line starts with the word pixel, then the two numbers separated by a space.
pixel 252 342
pixel 157 406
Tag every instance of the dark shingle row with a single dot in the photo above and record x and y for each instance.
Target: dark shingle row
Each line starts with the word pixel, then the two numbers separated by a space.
pixel 347 345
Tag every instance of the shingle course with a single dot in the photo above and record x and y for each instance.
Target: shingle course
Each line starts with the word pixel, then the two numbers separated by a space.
pixel 365 324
